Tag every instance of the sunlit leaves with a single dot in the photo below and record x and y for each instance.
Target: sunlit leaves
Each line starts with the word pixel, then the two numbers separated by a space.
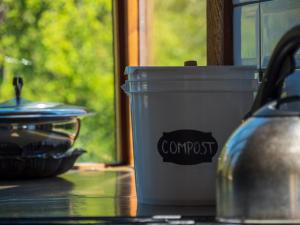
pixel 180 27
pixel 70 46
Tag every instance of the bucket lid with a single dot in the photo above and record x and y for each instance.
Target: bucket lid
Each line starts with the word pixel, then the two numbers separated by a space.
pixel 190 79
pixel 149 73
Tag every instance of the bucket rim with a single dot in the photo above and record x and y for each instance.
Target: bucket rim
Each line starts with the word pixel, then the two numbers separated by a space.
pixel 190 86
pixel 151 73
pixel 217 68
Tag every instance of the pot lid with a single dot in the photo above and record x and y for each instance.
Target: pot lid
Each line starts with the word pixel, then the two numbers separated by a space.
pixel 19 108
pixel 284 107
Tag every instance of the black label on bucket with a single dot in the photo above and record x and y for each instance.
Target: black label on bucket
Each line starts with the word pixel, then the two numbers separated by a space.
pixel 187 147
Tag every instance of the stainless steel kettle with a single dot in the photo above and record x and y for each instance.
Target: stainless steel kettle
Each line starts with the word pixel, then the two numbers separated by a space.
pixel 258 175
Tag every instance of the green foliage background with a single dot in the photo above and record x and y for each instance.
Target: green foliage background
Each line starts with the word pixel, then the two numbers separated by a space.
pixel 179 32
pixel 70 45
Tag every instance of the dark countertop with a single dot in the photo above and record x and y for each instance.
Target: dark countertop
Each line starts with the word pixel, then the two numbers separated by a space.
pixel 106 196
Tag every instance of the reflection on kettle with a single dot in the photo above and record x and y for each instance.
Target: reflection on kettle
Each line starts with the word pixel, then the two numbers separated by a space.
pixel 258 177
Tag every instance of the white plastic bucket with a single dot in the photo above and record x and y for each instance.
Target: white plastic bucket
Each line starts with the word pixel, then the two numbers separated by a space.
pixel 181 117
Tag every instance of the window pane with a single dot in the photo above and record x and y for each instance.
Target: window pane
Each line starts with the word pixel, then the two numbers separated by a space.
pixel 66 47
pixel 172 32
pixel 277 17
pixel 246 35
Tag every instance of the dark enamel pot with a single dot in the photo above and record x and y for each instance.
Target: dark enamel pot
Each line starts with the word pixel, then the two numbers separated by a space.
pixel 31 128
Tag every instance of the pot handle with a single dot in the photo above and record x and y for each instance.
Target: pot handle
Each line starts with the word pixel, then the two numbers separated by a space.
pixel 78 129
pixel 281 65
pixel 125 88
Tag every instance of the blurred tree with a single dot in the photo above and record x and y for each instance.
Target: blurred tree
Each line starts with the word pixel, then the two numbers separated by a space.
pixel 179 32
pixel 70 46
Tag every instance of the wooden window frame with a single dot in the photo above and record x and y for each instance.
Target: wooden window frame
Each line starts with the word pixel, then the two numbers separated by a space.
pixel 126 50
pixel 126 53
pixel 219 32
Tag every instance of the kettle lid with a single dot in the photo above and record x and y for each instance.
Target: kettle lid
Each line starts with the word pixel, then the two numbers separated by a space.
pixel 284 107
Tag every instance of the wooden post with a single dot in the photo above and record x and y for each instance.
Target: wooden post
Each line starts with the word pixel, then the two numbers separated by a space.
pixel 126 49
pixel 219 32
pixel 146 23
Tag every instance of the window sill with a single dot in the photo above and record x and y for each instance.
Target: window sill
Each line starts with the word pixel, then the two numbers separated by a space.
pixel 104 195
pixel 101 167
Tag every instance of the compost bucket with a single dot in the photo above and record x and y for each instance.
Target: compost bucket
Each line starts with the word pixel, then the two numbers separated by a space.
pixel 181 117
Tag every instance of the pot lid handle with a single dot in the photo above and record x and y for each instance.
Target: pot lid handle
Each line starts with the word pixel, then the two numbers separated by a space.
pixel 18 84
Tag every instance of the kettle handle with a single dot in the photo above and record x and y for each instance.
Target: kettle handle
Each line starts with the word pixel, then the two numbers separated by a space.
pixel 281 65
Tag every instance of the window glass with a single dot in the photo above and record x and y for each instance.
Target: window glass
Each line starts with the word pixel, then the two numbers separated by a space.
pixel 63 50
pixel 172 32
pixel 277 17
pixel 246 35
